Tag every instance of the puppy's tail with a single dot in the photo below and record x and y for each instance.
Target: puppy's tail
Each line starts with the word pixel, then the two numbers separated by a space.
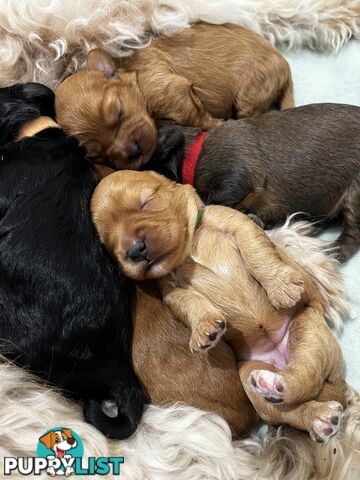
pixel 119 416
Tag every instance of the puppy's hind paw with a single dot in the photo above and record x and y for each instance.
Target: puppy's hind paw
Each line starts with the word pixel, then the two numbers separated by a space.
pixel 207 334
pixel 327 422
pixel 286 289
pixel 268 385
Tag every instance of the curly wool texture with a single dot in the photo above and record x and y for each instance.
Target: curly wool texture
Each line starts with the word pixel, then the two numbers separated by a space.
pixel 316 256
pixel 47 40
pixel 176 442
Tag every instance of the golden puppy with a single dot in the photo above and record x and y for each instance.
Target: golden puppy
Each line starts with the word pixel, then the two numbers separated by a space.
pixel 196 78
pixel 167 370
pixel 221 276
pixel 170 374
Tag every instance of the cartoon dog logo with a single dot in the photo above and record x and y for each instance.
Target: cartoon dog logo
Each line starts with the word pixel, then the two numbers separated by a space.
pixel 59 441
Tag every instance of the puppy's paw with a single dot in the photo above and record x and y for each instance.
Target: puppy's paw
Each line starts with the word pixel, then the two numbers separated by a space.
pixel 286 289
pixel 268 385
pixel 207 334
pixel 327 422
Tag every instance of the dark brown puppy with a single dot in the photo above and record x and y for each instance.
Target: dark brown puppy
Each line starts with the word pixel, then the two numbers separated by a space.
pixel 305 159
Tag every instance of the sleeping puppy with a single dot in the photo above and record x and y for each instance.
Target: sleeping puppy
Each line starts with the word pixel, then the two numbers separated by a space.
pixel 65 308
pixel 304 159
pixel 197 77
pixel 222 277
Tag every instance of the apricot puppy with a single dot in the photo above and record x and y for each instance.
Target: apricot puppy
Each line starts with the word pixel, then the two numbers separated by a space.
pixel 198 77
pixel 222 277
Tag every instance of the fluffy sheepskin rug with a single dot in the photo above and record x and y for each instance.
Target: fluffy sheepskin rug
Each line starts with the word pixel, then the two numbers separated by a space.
pixel 182 443
pixel 45 40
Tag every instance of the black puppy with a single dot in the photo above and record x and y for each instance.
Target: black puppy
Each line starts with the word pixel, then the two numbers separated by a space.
pixel 64 306
pixel 305 159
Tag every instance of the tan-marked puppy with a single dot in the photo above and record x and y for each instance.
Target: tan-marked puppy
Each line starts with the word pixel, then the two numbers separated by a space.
pixel 222 277
pixel 198 77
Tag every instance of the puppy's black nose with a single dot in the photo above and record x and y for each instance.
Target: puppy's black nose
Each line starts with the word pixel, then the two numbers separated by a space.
pixel 135 151
pixel 71 441
pixel 138 251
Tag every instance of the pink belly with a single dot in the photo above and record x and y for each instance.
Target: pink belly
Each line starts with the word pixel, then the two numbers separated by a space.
pixel 270 349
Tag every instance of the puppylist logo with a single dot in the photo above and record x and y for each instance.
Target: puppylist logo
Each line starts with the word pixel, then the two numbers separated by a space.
pixel 60 451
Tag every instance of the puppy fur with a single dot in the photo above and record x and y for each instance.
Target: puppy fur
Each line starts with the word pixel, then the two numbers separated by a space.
pixel 197 77
pixel 171 374
pixel 303 159
pixel 226 272
pixel 65 308
pixel 22 103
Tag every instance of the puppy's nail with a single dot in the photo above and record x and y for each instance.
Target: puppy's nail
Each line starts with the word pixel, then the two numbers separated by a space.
pixel 273 399
pixel 212 336
pixel 319 439
pixel 279 387
pixel 253 381
pixel 334 420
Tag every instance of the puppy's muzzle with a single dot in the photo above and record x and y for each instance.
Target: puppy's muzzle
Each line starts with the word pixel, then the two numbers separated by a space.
pixel 138 251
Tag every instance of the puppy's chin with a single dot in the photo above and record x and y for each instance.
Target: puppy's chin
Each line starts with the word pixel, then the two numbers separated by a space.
pixel 156 268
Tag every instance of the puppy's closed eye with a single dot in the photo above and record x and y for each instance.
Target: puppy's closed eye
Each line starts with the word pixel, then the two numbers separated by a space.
pixel 146 200
pixel 148 197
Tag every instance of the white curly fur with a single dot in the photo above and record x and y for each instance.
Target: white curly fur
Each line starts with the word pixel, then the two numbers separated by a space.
pixel 45 40
pixel 182 443
pixel 176 442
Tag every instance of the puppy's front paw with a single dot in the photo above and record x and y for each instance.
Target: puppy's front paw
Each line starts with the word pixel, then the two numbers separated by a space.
pixel 285 289
pixel 327 422
pixel 268 385
pixel 207 334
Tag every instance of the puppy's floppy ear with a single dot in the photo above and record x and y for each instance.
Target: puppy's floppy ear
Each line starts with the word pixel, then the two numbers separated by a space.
pixel 48 440
pixel 170 140
pixel 98 60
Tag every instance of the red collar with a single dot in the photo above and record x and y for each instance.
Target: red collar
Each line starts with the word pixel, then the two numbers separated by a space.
pixel 191 158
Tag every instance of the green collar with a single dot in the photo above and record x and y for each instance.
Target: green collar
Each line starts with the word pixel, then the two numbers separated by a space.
pixel 199 218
